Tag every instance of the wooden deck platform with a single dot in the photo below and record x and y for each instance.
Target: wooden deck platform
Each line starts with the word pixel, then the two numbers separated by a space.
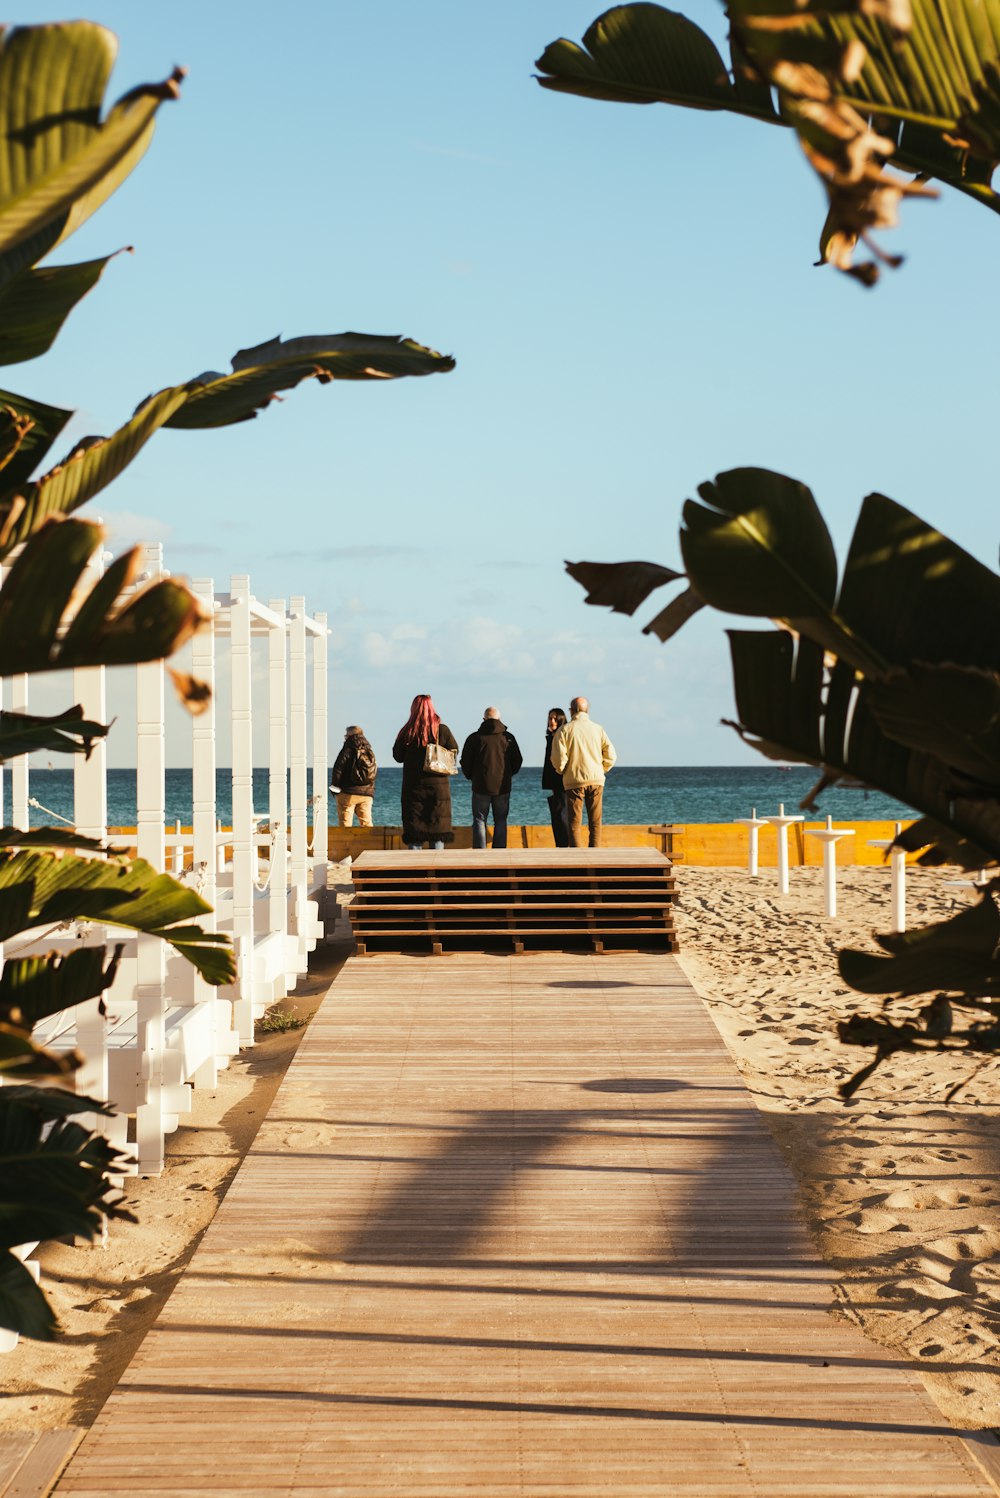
pixel 513 1227
pixel 514 899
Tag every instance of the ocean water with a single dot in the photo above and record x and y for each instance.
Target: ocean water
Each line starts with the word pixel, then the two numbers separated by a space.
pixel 633 794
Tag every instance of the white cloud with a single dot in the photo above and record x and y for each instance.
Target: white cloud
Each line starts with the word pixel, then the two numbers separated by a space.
pixel 400 646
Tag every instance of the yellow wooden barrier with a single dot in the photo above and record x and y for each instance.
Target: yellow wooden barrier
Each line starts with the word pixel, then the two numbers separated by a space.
pixel 716 844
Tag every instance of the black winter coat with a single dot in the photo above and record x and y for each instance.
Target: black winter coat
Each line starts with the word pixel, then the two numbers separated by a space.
pixel 426 799
pixel 490 758
pixel 551 779
pixel 346 771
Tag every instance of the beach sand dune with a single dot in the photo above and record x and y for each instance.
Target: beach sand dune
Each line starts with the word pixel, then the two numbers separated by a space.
pixel 901 1192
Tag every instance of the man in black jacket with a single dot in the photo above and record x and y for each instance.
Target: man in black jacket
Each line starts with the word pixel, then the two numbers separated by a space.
pixel 353 779
pixel 490 759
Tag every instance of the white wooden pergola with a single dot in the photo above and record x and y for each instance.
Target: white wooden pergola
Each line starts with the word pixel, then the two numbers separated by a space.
pixel 166 1030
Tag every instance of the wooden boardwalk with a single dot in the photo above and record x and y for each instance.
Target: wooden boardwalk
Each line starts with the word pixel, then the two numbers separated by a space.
pixel 513 1227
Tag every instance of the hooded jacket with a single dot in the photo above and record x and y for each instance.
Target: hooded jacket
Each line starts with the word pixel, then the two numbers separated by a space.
pixel 581 752
pixel 354 769
pixel 490 758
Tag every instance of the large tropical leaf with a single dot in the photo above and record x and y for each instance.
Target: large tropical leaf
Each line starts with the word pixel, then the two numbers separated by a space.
pixel 21 1056
pixel 93 464
pixel 258 374
pixel 63 733
pixel 35 634
pixel 792 706
pixel 32 988
pixel 914 81
pixel 959 956
pixel 35 304
pixel 43 889
pixel 37 426
pixel 53 1184
pixel 58 160
pixel 646 54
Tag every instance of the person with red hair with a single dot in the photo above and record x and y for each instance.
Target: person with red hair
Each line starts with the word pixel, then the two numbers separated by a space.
pixel 426 795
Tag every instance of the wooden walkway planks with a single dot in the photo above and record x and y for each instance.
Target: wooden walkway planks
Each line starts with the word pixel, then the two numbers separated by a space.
pixel 513 1227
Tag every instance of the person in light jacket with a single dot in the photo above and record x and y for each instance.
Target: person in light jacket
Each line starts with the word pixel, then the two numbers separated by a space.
pixel 552 781
pixel 582 754
pixel 490 758
pixel 426 797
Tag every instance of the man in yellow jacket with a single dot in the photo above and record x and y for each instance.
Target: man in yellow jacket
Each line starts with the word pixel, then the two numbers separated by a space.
pixel 582 754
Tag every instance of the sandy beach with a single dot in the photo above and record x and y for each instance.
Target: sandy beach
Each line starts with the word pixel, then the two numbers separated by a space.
pixel 901 1192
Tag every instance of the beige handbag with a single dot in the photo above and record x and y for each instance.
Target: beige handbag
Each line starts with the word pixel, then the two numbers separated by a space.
pixel 440 761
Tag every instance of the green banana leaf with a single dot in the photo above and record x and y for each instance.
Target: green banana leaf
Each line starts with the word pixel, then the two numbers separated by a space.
pixel 915 80
pixel 216 400
pixel 90 467
pixel 646 54
pixel 959 955
pixel 45 577
pixel 21 1056
pixel 35 304
pixel 63 733
pixel 43 889
pixel 39 426
pixel 53 837
pixel 792 707
pixel 58 160
pixel 32 988
pixel 621 586
pixel 53 1184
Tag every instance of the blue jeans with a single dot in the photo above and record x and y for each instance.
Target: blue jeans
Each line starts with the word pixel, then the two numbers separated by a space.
pixel 481 806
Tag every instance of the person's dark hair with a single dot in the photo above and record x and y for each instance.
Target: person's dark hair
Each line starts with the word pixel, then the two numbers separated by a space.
pixel 423 723
pixel 559 715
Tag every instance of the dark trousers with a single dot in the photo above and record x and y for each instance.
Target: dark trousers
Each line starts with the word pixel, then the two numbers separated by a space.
pixel 481 808
pixel 576 797
pixel 557 816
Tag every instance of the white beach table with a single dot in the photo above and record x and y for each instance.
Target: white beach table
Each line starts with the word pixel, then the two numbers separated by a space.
pixel 781 824
pixel 830 836
pixel 753 823
pixel 897 884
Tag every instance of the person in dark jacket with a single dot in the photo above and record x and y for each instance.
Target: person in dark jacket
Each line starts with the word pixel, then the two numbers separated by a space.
pixel 353 779
pixel 426 795
pixel 490 759
pixel 552 782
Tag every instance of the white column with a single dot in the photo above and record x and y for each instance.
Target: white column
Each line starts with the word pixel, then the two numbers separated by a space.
pixel 150 783
pixel 753 823
pixel 244 852
pixel 203 797
pixel 320 763
pixel 781 823
pixel 277 783
pixel 897 880
pixel 90 776
pixel 297 757
pixel 829 836
pixel 19 766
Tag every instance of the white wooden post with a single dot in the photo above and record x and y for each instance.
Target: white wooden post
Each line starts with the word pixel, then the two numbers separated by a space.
pixel 277 785
pixel 244 851
pixel 829 836
pixel 320 764
pixel 753 823
pixel 151 958
pixel 90 776
pixel 297 764
pixel 897 878
pixel 19 766
pixel 781 824
pixel 203 797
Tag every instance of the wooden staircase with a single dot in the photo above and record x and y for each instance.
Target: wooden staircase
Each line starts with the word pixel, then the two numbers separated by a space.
pixel 470 899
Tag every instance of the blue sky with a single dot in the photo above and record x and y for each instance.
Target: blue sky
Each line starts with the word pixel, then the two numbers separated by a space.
pixel 630 296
